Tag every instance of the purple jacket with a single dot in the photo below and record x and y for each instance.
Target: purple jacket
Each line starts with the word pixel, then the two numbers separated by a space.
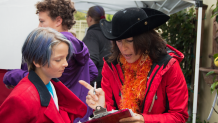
pixel 80 67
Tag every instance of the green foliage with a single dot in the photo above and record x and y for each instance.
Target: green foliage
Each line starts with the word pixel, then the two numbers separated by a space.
pixel 82 16
pixel 209 73
pixel 109 17
pixel 215 83
pixel 79 16
pixel 213 87
pixel 215 55
pixel 214 11
pixel 180 33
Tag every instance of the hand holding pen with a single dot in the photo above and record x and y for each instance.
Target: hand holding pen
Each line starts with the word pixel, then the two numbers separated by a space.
pixel 98 99
pixel 95 97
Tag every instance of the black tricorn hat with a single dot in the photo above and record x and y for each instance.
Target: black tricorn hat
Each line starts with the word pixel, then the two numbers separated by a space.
pixel 133 21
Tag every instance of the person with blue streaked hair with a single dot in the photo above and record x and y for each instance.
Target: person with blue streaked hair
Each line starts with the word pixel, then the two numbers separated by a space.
pixel 40 96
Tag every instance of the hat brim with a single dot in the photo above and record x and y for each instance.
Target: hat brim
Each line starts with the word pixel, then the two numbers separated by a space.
pixel 155 19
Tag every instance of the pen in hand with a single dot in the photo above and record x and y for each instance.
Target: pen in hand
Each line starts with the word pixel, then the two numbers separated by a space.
pixel 94 87
pixel 95 97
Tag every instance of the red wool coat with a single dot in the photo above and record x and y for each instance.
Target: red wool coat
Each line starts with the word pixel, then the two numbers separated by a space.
pixel 31 102
pixel 166 95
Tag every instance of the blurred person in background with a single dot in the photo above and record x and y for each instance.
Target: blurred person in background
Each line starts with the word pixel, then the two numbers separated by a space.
pixel 59 15
pixel 99 46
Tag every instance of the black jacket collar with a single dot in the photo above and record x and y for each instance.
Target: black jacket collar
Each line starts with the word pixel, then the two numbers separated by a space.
pixel 164 59
pixel 41 88
pixel 95 27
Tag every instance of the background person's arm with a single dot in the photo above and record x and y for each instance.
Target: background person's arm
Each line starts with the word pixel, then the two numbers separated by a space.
pixel 13 77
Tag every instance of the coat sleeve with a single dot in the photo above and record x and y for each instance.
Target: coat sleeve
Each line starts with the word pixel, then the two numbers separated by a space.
pixel 13 77
pixel 105 84
pixel 177 94
pixel 92 43
pixel 14 110
pixel 92 70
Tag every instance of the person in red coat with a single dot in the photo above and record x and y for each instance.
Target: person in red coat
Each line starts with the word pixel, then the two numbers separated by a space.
pixel 40 96
pixel 143 72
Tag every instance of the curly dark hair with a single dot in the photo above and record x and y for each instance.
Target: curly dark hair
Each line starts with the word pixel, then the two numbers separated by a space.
pixel 63 8
pixel 149 41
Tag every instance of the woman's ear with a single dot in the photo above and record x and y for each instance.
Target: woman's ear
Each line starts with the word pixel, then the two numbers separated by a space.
pixel 58 21
pixel 36 64
pixel 89 18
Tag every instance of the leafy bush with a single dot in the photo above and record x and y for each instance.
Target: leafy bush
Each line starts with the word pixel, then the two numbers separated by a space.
pixel 180 32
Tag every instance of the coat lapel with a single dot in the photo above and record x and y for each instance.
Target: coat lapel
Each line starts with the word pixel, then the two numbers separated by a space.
pixel 70 103
pixel 45 98
pixel 52 113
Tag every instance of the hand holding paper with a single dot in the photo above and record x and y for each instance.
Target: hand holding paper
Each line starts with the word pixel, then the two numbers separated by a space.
pixel 137 118
pixel 93 100
pixel 98 99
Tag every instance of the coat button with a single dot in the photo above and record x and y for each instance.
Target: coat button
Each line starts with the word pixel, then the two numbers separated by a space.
pixel 146 22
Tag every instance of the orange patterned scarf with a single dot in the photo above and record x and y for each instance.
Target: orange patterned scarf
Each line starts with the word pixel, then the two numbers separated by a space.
pixel 134 86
